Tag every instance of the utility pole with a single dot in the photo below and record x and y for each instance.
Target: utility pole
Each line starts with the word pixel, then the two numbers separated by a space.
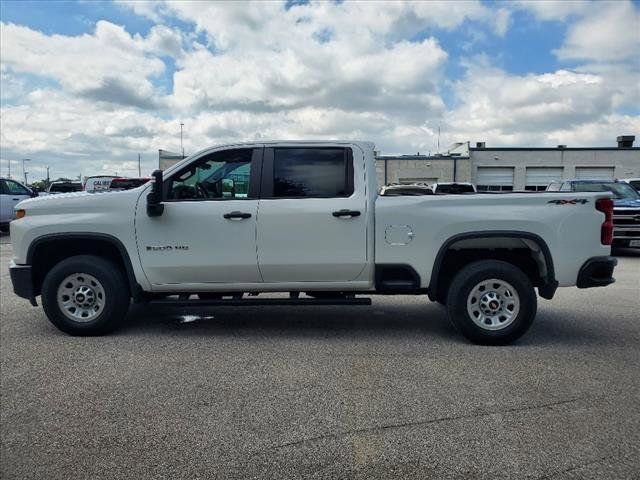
pixel 139 174
pixel 24 172
pixel 48 181
pixel 8 168
pixel 181 147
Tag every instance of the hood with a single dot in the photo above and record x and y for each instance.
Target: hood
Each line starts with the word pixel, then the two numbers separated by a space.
pixel 79 202
pixel 626 203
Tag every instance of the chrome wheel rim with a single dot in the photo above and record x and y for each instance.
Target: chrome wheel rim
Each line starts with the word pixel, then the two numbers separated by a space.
pixel 81 297
pixel 493 304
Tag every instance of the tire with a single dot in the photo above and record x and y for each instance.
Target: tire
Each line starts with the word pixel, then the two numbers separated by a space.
pixel 491 313
pixel 85 295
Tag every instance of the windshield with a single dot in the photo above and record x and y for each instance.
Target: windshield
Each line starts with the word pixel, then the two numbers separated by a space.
pixel 619 190
pixel 65 187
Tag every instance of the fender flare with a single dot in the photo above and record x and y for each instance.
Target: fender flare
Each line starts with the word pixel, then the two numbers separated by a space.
pixel 134 286
pixel 547 290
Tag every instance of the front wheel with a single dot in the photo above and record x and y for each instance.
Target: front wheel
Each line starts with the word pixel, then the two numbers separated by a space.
pixel 491 302
pixel 85 295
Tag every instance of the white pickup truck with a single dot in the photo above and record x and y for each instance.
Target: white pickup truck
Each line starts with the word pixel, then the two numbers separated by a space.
pixel 233 222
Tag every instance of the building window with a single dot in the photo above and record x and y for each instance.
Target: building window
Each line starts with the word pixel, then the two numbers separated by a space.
pixel 535 188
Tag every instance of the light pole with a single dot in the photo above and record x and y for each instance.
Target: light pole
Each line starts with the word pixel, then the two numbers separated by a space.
pixel 24 172
pixel 181 147
pixel 139 174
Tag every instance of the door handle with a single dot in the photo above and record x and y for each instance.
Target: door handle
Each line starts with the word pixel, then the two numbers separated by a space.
pixel 346 213
pixel 236 215
pixel 15 199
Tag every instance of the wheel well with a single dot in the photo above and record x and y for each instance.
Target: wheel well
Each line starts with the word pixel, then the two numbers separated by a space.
pixel 48 252
pixel 526 254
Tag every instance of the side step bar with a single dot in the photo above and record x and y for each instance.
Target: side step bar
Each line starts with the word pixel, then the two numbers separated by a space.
pixel 232 302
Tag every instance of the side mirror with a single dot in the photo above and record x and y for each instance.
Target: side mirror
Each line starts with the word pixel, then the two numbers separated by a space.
pixel 155 207
pixel 34 193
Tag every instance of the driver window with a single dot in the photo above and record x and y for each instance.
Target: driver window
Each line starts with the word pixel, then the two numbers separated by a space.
pixel 219 176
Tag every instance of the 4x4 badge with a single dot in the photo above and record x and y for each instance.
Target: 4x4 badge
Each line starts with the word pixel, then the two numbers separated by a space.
pixel 575 201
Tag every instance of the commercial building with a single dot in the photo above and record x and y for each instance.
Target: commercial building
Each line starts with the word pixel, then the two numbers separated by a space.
pixel 167 158
pixel 455 165
pixel 507 168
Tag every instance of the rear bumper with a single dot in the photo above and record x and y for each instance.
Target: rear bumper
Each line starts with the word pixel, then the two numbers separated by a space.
pixel 22 280
pixel 597 272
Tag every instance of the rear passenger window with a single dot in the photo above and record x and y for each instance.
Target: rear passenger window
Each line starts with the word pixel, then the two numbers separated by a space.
pixel 312 172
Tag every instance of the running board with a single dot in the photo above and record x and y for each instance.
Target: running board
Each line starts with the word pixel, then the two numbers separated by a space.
pixel 250 302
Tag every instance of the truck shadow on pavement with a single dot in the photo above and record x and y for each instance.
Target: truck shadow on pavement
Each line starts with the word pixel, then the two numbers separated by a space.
pixel 419 322
pixel 285 321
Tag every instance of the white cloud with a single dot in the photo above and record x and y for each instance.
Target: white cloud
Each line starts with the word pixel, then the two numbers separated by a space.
pixel 553 9
pixel 508 109
pixel 352 70
pixel 610 32
pixel 109 65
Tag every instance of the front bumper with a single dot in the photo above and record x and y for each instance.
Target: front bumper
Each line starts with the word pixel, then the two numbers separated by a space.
pixel 597 272
pixel 22 280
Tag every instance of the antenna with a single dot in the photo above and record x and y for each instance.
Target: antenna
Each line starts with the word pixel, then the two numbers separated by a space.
pixel 181 147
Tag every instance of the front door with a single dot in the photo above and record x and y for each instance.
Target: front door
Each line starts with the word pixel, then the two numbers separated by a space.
pixel 312 218
pixel 207 232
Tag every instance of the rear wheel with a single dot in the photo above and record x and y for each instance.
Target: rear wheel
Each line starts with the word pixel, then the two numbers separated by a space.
pixel 491 302
pixel 85 295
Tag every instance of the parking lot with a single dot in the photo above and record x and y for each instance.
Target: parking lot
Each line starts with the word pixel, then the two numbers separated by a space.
pixel 325 392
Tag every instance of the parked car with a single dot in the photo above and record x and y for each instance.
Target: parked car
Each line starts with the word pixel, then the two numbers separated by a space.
pixel 634 182
pixel 626 206
pixel 122 183
pixel 453 187
pixel 62 186
pixel 98 183
pixel 11 193
pixel 405 189
pixel 104 183
pixel 304 217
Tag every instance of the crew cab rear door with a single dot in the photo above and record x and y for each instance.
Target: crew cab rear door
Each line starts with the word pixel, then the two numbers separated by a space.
pixel 312 214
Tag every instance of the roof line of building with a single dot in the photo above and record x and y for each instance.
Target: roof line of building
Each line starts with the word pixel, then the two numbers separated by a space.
pixel 421 157
pixel 537 149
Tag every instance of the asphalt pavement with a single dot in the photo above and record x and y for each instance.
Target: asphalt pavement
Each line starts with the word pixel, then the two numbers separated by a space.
pixel 376 392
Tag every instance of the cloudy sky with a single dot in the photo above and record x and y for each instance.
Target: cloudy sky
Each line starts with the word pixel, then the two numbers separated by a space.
pixel 87 86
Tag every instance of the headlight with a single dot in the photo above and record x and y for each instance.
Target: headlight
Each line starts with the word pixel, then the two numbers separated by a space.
pixel 20 213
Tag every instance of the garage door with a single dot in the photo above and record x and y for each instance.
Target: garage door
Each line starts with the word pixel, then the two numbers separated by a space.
pixel 595 173
pixel 495 178
pixel 537 178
